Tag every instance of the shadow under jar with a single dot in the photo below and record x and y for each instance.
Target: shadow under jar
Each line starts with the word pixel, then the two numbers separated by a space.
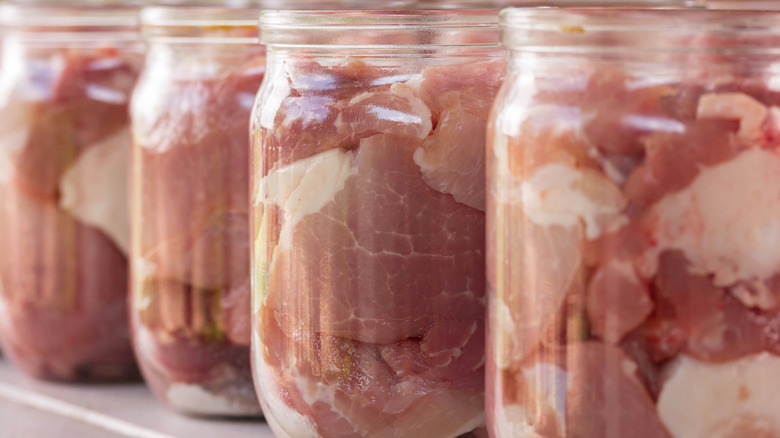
pixel 190 201
pixel 64 145
pixel 368 264
pixel 633 217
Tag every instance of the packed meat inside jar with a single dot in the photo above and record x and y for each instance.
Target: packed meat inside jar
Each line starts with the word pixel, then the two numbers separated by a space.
pixel 191 300
pixel 64 148
pixel 634 258
pixel 369 226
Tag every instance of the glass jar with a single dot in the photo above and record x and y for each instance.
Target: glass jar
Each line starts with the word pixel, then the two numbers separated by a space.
pixel 64 94
pixel 190 207
pixel 633 209
pixel 368 264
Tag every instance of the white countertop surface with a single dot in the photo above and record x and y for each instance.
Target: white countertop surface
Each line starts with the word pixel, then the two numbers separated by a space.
pixel 32 409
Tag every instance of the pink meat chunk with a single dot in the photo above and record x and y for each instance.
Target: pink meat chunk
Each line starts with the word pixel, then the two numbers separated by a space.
pixel 450 159
pixel 184 360
pixel 615 111
pixel 533 319
pixel 66 125
pixel 214 256
pixel 64 299
pixel 673 160
pixel 377 297
pixel 195 185
pixel 593 390
pixel 373 390
pixel 64 293
pixel 618 301
pixel 193 211
pixel 418 251
pixel 606 397
pixel 237 307
pixel 466 86
pixel 631 305
pixel 307 120
pixel 453 156
pixel 717 327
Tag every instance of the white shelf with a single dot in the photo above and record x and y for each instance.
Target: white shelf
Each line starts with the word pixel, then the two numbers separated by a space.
pixel 32 409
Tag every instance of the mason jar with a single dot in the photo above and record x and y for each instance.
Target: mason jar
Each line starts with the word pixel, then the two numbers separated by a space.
pixel 190 207
pixel 633 214
pixel 64 149
pixel 369 225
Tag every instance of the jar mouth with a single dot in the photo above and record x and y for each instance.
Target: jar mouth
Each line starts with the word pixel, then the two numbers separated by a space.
pixel 379 28
pixel 52 17
pixel 204 24
pixel 594 29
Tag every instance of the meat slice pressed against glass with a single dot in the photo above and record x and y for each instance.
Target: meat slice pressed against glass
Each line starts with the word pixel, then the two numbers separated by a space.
pixel 63 219
pixel 191 300
pixel 633 256
pixel 369 225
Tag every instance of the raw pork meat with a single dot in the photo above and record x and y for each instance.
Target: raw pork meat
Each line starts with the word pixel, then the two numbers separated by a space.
pixel 633 257
pixel 63 170
pixel 369 228
pixel 190 273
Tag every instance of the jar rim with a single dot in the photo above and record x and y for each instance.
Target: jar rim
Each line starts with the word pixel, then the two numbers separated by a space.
pixel 54 17
pixel 744 5
pixel 379 18
pixel 307 27
pixel 197 16
pixel 676 28
pixel 204 24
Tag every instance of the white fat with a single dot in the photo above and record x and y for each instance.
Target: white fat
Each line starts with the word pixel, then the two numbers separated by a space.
pixel 314 391
pixel 285 421
pixel 94 189
pixel 557 194
pixel 727 222
pixel 193 399
pixel 735 106
pixel 305 187
pixel 701 400
pixel 419 108
pixel 144 267
pixel 511 422
pixel 419 159
pixel 755 294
